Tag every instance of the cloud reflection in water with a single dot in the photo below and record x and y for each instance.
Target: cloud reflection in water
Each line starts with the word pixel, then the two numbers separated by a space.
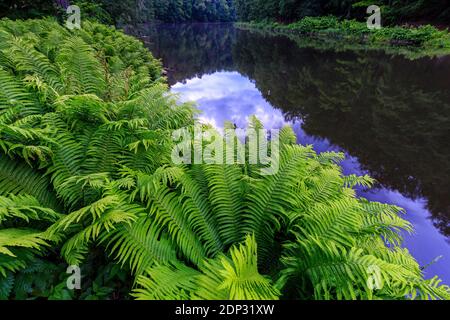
pixel 229 96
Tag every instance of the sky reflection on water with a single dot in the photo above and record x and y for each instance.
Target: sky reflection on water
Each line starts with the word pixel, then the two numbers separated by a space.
pixel 230 96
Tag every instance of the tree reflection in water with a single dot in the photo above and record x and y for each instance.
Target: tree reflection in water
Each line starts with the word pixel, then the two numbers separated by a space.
pixel 390 113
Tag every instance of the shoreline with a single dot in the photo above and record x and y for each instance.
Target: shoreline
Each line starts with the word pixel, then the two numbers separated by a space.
pixel 330 33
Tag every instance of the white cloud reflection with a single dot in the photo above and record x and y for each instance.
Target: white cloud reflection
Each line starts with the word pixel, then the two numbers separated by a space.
pixel 229 96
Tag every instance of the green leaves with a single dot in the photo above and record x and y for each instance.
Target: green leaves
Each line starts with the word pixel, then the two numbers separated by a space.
pixel 81 71
pixel 12 92
pixel 86 179
pixel 88 223
pixel 28 60
pixel 25 208
pixel 233 277
pixel 141 245
pixel 167 282
pixel 333 245
pixel 19 178
pixel 63 144
pixel 241 277
pixel 24 238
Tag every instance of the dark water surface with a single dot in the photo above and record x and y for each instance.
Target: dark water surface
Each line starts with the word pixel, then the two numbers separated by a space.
pixel 389 114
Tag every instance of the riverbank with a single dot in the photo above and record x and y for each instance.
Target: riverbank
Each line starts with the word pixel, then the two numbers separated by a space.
pixel 331 33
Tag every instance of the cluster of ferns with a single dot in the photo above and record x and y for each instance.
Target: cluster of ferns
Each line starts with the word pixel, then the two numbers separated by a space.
pixel 86 179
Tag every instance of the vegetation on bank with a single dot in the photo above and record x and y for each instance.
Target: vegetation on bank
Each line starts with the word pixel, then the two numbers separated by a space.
pixel 394 12
pixel 419 41
pixel 138 11
pixel 289 17
pixel 86 179
pixel 126 11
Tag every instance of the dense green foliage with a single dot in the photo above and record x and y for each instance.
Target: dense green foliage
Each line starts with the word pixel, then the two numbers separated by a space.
pixel 127 11
pixel 345 21
pixel 86 179
pixel 394 11
pixel 135 11
pixel 26 8
pixel 193 10
pixel 427 39
pixel 67 106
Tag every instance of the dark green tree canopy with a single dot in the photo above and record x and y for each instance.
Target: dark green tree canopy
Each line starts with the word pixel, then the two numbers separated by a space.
pixel 395 11
pixel 137 11
pixel 127 11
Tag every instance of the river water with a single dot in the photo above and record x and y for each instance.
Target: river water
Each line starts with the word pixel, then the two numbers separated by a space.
pixel 389 114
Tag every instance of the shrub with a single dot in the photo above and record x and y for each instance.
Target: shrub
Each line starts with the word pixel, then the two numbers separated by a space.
pixel 425 37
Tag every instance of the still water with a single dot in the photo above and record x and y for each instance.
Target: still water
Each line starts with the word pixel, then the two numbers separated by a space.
pixel 390 115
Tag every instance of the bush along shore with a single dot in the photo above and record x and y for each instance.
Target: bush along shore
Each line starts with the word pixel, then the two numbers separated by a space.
pixel 330 32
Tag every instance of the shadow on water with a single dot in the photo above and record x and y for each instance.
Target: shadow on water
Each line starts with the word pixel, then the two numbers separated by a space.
pixel 391 115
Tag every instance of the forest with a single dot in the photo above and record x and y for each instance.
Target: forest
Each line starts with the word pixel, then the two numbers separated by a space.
pixel 395 12
pixel 87 179
pixel 128 11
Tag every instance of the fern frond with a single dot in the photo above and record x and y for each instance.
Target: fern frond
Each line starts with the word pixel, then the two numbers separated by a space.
pixel 18 178
pixel 12 93
pixel 225 278
pixel 239 276
pixel 175 281
pixel 24 238
pixel 80 69
pixel 6 286
pixel 274 196
pixel 141 245
pixel 166 209
pixel 30 61
pixel 26 208
pixel 225 194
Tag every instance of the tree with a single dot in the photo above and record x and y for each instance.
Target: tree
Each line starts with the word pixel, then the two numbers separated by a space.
pixel 395 11
pixel 175 11
pixel 27 8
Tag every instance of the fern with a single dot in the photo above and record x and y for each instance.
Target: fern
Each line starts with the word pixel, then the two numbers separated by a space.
pixel 28 60
pixel 140 244
pixel 224 278
pixel 19 238
pixel 86 178
pixel 82 72
pixel 18 178
pixel 25 208
pixel 12 92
